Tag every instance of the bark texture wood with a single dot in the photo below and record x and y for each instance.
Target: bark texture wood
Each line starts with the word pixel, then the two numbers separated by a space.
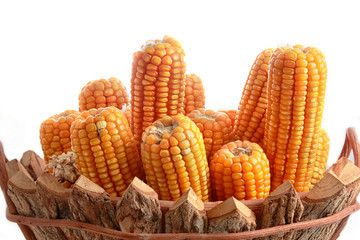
pixel 33 164
pixel 91 204
pixel 334 192
pixel 231 216
pixel 138 210
pixel 22 191
pixel 187 215
pixel 282 206
pixel 55 201
pixel 4 187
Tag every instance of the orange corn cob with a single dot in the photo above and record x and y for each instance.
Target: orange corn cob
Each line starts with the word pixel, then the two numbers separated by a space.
pixel 127 112
pixel 55 134
pixel 240 169
pixel 249 124
pixel 215 128
pixel 157 83
pixel 103 93
pixel 232 115
pixel 321 157
pixel 174 158
pixel 105 148
pixel 194 93
pixel 296 93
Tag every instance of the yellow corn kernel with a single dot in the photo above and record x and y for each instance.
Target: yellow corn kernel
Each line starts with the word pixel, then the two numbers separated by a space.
pixel 240 169
pixel 105 148
pixel 157 83
pixel 175 164
pixel 296 93
pixel 250 122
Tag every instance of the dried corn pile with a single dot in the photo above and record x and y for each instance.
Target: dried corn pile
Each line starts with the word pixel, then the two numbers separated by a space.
pixel 165 131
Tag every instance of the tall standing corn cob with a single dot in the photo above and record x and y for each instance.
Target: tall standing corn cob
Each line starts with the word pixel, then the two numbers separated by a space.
pixel 105 148
pixel 55 134
pixel 157 83
pixel 174 158
pixel 194 93
pixel 240 169
pixel 215 128
pixel 103 93
pixel 296 93
pixel 250 122
pixel 321 157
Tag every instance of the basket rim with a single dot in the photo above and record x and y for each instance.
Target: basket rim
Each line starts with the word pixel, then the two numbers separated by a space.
pixel 118 234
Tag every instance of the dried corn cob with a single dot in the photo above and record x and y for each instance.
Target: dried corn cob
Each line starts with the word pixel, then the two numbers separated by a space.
pixel 194 93
pixel 232 115
pixel 296 93
pixel 55 134
pixel 157 83
pixel 103 93
pixel 105 148
pixel 249 124
pixel 321 157
pixel 174 158
pixel 240 169
pixel 215 128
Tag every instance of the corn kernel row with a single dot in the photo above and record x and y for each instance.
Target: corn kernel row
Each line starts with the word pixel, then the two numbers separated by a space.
pixel 55 134
pixel 296 92
pixel 174 158
pixel 103 93
pixel 157 83
pixel 105 148
pixel 215 128
pixel 250 122
pixel 240 169
pixel 194 93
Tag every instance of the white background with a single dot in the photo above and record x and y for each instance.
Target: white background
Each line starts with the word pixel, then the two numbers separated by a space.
pixel 50 49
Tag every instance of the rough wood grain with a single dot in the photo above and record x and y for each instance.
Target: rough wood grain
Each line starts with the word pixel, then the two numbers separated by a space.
pixel 282 206
pixel 231 216
pixel 138 211
pixel 187 215
pixel 55 199
pixel 14 166
pixel 23 192
pixel 33 163
pixel 90 203
pixel 28 234
pixel 334 192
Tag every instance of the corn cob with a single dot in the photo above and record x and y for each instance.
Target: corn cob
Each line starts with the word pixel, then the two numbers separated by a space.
pixel 105 148
pixel 232 115
pixel 55 134
pixel 215 128
pixel 194 93
pixel 250 122
pixel 296 93
pixel 174 158
pixel 103 93
pixel 157 83
pixel 321 157
pixel 240 169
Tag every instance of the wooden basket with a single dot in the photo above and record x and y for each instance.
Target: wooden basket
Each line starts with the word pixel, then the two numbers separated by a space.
pixel 338 220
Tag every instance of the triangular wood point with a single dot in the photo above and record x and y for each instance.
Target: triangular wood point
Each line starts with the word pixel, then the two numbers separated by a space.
pixel 22 182
pixel 229 205
pixel 192 198
pixel 50 183
pixel 141 187
pixel 285 187
pixel 84 183
pixel 326 187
